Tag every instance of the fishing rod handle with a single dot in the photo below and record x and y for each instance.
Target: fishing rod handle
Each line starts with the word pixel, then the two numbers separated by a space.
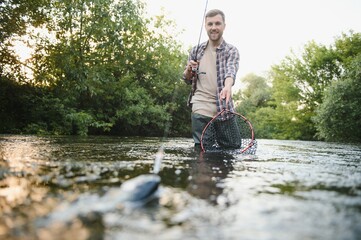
pixel 195 69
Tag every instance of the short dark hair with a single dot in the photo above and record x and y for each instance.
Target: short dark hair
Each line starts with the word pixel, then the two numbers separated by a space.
pixel 214 12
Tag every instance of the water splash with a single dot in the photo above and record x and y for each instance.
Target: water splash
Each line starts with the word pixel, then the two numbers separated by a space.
pixel 158 160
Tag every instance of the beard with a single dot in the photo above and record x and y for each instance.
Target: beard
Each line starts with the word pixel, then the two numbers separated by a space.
pixel 215 36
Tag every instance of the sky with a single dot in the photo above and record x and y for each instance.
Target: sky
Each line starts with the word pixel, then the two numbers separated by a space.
pixel 264 31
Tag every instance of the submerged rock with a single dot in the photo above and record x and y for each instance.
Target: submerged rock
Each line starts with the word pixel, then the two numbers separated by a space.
pixel 140 188
pixel 135 192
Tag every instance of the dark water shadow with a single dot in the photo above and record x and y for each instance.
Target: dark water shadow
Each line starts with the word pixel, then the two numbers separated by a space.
pixel 201 174
pixel 206 175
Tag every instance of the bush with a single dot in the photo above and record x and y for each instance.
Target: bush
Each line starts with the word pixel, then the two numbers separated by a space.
pixel 338 117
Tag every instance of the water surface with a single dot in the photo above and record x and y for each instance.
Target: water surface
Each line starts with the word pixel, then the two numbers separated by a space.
pixel 288 190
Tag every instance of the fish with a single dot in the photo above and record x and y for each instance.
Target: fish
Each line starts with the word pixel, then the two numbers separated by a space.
pixel 140 188
pixel 135 192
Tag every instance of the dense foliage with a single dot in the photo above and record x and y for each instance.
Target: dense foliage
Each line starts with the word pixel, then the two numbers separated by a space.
pixel 338 117
pixel 98 67
pixel 312 96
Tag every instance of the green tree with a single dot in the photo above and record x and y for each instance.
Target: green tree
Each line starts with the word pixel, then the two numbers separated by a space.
pixel 255 94
pixel 338 117
pixel 347 47
pixel 17 94
pixel 299 82
pixel 253 102
pixel 15 18
pixel 105 67
pixel 290 117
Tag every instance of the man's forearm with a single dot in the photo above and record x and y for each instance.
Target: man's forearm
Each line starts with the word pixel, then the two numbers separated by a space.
pixel 228 82
pixel 187 74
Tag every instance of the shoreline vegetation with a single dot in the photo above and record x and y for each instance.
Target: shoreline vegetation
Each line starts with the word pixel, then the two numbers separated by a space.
pixel 105 69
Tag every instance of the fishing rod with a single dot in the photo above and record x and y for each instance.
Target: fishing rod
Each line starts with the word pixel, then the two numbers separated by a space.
pixel 160 154
pixel 145 186
pixel 194 70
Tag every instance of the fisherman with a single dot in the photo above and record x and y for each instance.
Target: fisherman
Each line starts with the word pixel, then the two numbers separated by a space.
pixel 211 69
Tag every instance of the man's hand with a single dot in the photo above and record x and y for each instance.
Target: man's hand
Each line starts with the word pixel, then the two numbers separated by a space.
pixel 193 65
pixel 226 92
pixel 191 69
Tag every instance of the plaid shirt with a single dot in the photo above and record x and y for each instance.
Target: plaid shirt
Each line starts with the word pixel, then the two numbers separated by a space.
pixel 227 64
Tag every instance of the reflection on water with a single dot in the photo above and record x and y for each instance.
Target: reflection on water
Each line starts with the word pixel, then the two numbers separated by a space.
pixel 289 190
pixel 206 176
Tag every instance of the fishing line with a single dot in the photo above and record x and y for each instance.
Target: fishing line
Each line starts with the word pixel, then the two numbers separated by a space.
pixel 160 154
pixel 200 33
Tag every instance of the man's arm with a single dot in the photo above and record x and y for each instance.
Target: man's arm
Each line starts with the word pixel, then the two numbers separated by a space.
pixel 232 64
pixel 226 92
pixel 231 72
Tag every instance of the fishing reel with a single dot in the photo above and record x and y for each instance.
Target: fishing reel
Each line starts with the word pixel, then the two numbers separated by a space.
pixel 195 70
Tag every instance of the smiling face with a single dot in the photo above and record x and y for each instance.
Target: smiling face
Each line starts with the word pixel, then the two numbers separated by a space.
pixel 215 26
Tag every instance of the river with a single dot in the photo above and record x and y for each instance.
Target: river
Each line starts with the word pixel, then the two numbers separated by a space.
pixel 55 187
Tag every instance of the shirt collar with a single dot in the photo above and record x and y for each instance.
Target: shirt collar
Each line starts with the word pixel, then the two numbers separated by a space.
pixel 221 46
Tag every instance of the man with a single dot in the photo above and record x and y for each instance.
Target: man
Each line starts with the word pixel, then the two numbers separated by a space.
pixel 217 63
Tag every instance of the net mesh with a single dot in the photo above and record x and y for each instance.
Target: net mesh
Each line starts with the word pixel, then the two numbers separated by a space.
pixel 233 134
